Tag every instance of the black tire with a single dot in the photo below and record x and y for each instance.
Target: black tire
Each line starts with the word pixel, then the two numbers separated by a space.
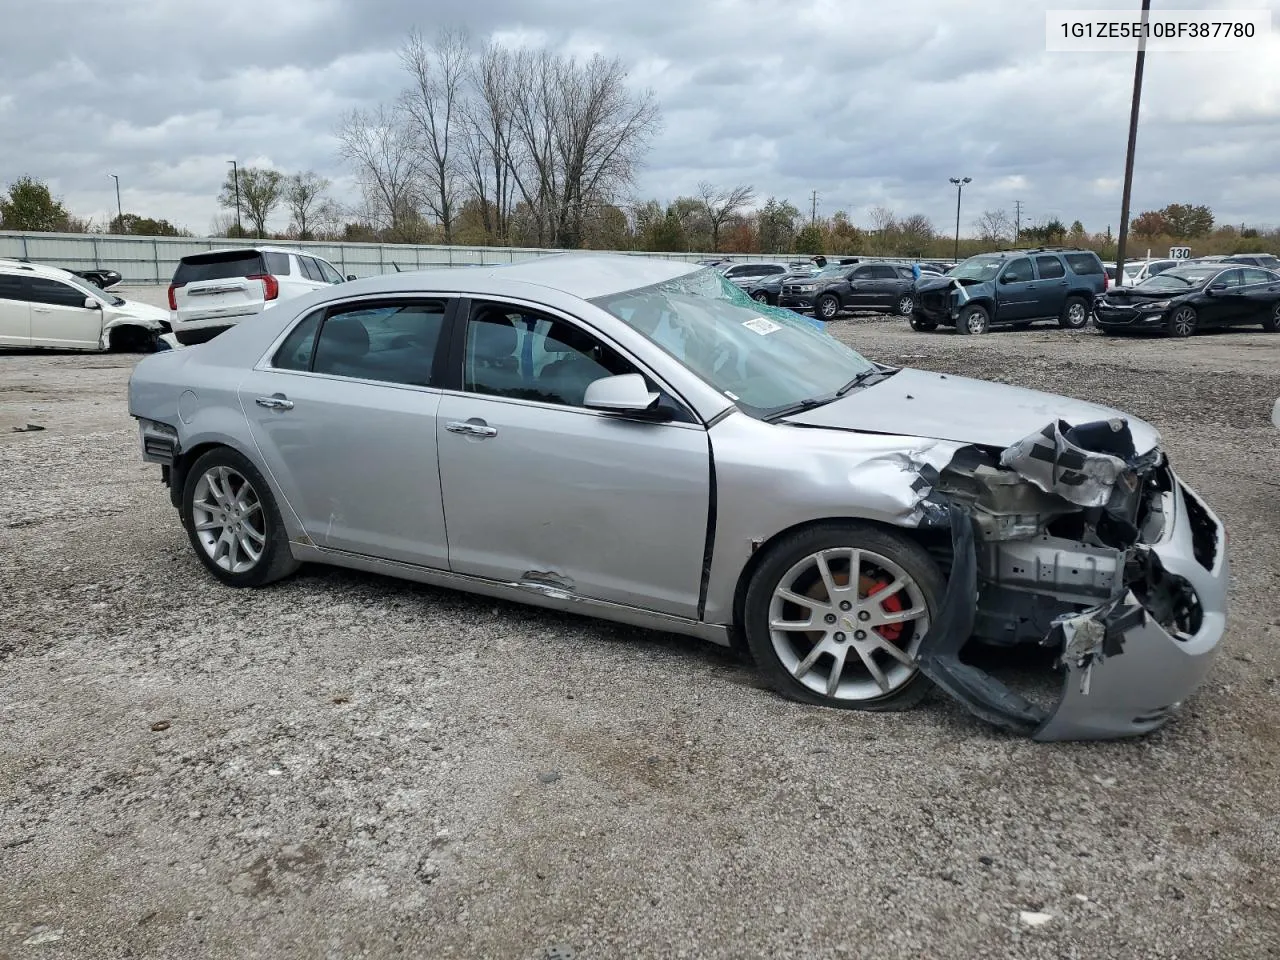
pixel 906 305
pixel 1075 314
pixel 760 296
pixel 1271 323
pixel 792 549
pixel 827 307
pixel 921 324
pixel 974 319
pixel 1182 321
pixel 132 340
pixel 275 561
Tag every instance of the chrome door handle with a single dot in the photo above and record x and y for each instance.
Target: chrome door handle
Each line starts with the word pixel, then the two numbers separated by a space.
pixel 39 309
pixel 471 429
pixel 274 403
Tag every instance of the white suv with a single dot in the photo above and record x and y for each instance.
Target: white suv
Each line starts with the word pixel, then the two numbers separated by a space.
pixel 213 291
pixel 43 306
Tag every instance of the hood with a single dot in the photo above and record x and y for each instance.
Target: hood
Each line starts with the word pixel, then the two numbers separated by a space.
pixel 1137 293
pixel 140 311
pixel 938 406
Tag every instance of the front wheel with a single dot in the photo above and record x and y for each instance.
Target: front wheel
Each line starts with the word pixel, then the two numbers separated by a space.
pixel 233 522
pixel 760 297
pixel 906 303
pixel 974 319
pixel 1182 322
pixel 1272 322
pixel 921 324
pixel 828 307
pixel 835 615
pixel 1075 314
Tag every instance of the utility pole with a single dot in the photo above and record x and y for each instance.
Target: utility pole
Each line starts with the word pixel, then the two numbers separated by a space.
pixel 813 209
pixel 1133 139
pixel 1017 221
pixel 959 182
pixel 235 176
pixel 119 209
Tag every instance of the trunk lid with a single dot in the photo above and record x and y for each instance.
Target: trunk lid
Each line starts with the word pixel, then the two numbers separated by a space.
pixel 222 283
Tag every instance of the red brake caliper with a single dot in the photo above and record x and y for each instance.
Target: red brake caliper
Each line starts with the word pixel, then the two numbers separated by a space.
pixel 890 631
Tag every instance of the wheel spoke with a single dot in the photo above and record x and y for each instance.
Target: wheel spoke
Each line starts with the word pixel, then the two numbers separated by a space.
pixel 805 665
pixel 250 551
pixel 824 571
pixel 233 552
pixel 891 649
pixel 793 626
pixel 884 593
pixel 877 674
pixel 800 600
pixel 217 523
pixel 259 538
pixel 898 616
pixel 837 668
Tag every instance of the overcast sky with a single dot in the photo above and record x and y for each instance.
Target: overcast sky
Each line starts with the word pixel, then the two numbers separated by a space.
pixel 866 101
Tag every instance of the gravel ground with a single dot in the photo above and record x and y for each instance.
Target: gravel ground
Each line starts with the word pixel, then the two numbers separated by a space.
pixel 345 765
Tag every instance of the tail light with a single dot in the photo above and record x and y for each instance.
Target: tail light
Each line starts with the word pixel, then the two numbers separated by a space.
pixel 173 300
pixel 270 285
pixel 1106 280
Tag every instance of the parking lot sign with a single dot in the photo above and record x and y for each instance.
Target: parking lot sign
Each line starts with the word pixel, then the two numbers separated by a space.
pixel 1179 253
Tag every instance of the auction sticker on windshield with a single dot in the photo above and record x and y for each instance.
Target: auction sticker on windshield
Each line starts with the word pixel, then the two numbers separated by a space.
pixel 761 326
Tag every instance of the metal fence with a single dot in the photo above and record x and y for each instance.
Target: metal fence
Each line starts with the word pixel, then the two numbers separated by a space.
pixel 153 259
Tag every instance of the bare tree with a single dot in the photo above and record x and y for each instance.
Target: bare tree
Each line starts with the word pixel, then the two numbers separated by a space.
pixel 259 193
pixel 722 205
pixel 994 226
pixel 433 105
pixel 486 146
pixel 380 145
pixel 882 219
pixel 303 196
pixel 914 234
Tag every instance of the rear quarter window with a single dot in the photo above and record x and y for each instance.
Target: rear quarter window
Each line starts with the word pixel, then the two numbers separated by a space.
pixel 220 266
pixel 277 263
pixel 1083 263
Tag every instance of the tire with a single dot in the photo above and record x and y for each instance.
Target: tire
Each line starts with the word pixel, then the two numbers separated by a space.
pixel 1182 322
pixel 921 325
pixel 1272 322
pixel 827 307
pixel 230 473
pixel 905 305
pixel 974 319
pixel 1075 314
pixel 791 661
pixel 760 297
pixel 132 340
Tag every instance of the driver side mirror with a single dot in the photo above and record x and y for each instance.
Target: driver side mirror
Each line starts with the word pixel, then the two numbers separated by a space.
pixel 1008 278
pixel 91 304
pixel 626 393
pixel 1218 288
pixel 351 276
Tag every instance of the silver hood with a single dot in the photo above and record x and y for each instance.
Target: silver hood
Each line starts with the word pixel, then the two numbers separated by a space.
pixel 940 406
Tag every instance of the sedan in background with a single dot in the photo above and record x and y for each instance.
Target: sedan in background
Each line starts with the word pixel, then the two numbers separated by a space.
pixel 638 441
pixel 1195 297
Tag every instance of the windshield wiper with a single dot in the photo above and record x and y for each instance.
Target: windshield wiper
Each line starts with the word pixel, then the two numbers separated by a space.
pixel 798 407
pixel 862 378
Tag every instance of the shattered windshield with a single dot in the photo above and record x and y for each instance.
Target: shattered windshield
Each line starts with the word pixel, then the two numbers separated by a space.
pixel 763 358
pixel 1183 278
pixel 981 269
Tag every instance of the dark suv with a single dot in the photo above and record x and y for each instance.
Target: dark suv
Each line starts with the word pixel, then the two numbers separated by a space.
pixel 1012 288
pixel 883 286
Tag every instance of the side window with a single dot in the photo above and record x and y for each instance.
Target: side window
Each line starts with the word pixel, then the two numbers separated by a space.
pixel 773 270
pixel 1161 266
pixel 54 292
pixel 736 271
pixel 277 263
pixel 295 353
pixel 1018 271
pixel 1050 268
pixel 862 273
pixel 527 356
pixel 1254 275
pixel 904 273
pixel 11 288
pixel 328 272
pixel 1084 264
pixel 1232 278
pixel 389 342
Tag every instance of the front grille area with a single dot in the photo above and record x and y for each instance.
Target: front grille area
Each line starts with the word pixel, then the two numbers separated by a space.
pixel 1204 531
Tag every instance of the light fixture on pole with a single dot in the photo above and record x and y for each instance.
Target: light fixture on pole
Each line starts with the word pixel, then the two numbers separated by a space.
pixel 235 177
pixel 959 182
pixel 119 209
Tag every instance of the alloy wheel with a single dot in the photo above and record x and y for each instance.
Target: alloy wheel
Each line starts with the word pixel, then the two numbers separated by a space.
pixel 760 297
pixel 228 519
pixel 1184 321
pixel 828 307
pixel 905 306
pixel 1077 316
pixel 847 623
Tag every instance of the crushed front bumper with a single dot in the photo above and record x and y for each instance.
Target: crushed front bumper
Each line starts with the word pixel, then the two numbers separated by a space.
pixel 1124 672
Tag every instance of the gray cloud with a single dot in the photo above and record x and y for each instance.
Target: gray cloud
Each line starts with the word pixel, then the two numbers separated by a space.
pixel 868 103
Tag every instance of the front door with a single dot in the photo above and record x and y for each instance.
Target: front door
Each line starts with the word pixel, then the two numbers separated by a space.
pixel 15 313
pixel 861 287
pixel 1016 292
pixel 344 416
pixel 542 491
pixel 1261 290
pixel 59 317
pixel 1224 306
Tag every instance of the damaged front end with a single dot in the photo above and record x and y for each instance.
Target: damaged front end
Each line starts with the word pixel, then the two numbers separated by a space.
pixel 1072 540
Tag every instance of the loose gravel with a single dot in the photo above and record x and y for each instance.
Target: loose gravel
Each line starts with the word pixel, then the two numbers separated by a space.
pixel 345 765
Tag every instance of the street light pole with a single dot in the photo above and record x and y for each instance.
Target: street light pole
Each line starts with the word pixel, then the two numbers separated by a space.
pixel 959 182
pixel 119 209
pixel 1133 141
pixel 235 177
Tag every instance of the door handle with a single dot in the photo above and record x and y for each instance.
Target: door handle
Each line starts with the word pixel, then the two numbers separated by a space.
pixel 469 429
pixel 40 310
pixel 275 403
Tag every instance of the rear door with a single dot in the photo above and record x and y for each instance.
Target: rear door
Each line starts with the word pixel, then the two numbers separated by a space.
pixel 15 313
pixel 59 317
pixel 1051 287
pixel 344 415
pixel 1261 292
pixel 221 284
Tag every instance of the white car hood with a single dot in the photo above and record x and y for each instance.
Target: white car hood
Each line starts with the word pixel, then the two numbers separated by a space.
pixel 133 310
pixel 938 406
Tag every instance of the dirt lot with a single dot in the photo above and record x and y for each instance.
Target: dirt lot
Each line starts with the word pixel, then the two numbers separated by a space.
pixel 345 765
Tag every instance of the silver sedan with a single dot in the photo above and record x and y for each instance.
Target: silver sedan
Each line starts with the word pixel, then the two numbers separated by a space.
pixel 637 440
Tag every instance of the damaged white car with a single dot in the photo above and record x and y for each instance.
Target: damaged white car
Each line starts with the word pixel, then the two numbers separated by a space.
pixel 636 440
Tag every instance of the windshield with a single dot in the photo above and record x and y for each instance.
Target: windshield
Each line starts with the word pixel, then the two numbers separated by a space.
pixel 91 289
pixel 1183 278
pixel 977 268
pixel 763 358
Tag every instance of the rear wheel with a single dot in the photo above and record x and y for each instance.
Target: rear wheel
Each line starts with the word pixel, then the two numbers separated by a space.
pixel 1182 322
pixel 836 613
pixel 974 319
pixel 828 306
pixel 1075 314
pixel 906 303
pixel 1272 322
pixel 760 297
pixel 921 324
